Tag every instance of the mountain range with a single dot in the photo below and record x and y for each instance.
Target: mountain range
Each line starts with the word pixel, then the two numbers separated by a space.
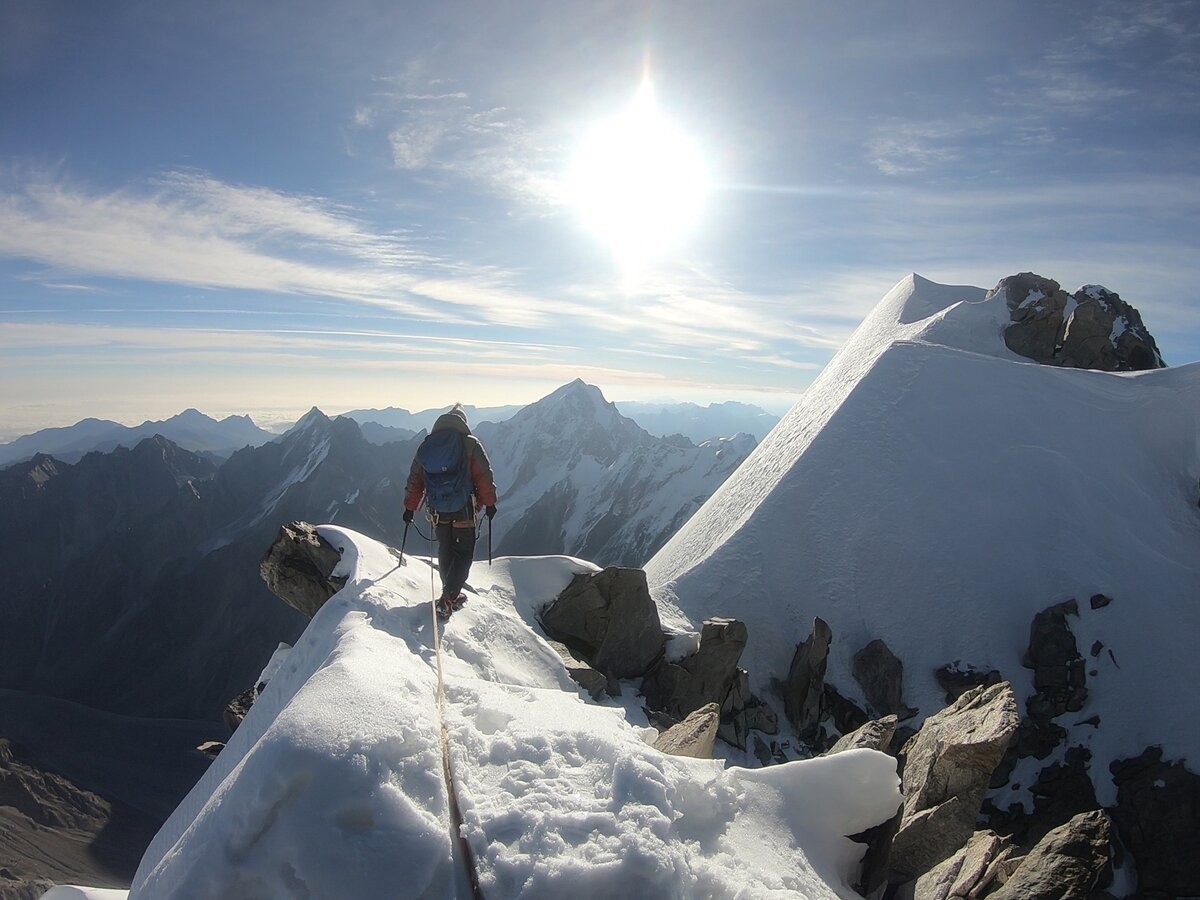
pixel 150 555
pixel 190 429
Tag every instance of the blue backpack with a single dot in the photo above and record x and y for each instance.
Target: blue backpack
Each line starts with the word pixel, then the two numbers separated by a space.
pixel 447 482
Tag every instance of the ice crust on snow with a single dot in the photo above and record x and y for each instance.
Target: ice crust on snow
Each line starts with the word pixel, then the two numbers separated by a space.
pixel 332 786
pixel 935 490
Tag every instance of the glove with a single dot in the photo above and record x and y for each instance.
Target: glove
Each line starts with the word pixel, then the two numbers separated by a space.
pixel 491 512
pixel 408 513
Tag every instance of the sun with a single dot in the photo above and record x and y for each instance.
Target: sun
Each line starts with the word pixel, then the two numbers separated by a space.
pixel 638 181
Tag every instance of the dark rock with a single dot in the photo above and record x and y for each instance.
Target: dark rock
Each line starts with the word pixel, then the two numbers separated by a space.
pixel 704 677
pixel 1062 791
pixel 610 618
pixel 298 568
pixel 1158 818
pixel 1059 672
pixel 1036 306
pixel 1032 739
pixel 874 868
pixel 1091 329
pixel 238 707
pixel 1097 646
pixel 947 766
pixel 742 712
pixel 1065 865
pixel 881 676
pixel 694 736
pixel 957 678
pixel 846 714
pixel 595 683
pixel 804 687
pixel 874 735
pixel 1099 601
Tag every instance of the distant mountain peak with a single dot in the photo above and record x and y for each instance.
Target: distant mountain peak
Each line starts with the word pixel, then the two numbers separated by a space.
pixel 314 418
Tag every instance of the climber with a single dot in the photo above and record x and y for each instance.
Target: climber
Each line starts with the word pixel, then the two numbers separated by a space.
pixel 452 473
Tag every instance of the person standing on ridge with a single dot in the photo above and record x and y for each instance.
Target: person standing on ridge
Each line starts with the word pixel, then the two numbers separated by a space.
pixel 452 473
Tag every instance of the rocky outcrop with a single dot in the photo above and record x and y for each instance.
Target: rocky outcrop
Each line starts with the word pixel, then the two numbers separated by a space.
pixel 1158 818
pixel 805 685
pixel 1059 671
pixel 947 767
pixel 1091 329
pixel 610 618
pixel 880 674
pixel 985 860
pixel 874 735
pixel 236 709
pixel 704 677
pixel 695 736
pixel 742 712
pixel 1065 865
pixel 298 568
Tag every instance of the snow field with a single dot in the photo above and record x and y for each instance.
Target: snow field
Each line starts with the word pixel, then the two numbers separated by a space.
pixel 332 787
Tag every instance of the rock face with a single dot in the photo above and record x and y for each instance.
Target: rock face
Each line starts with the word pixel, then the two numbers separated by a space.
pixel 1091 329
pixel 1065 864
pixel 694 736
pixel 298 568
pixel 805 685
pixel 1158 818
pixel 706 676
pixel 1059 671
pixel 742 712
pixel 947 767
pixel 610 618
pixel 881 676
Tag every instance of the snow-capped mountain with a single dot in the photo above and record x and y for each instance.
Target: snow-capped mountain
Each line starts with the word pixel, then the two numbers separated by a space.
pixel 699 423
pixel 150 557
pixel 398 417
pixel 575 476
pixel 191 430
pixel 936 490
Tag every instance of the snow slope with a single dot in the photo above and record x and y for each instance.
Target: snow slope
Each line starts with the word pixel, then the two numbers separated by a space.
pixel 332 786
pixel 935 490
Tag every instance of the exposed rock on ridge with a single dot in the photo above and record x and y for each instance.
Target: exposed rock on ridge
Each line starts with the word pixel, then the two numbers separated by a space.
pixel 1090 329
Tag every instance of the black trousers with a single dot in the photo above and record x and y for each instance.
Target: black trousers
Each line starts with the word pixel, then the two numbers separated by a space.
pixel 456 549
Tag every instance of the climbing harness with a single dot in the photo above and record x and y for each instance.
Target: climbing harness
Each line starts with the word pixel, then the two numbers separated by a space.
pixel 456 817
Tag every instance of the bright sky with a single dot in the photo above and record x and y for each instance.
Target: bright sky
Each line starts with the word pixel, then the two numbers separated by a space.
pixel 258 207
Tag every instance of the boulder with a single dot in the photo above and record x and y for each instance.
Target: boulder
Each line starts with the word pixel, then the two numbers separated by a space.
pixel 1035 306
pixel 581 673
pixel 805 684
pixel 880 674
pixel 694 736
pixel 704 677
pixel 1158 819
pixel 298 568
pixel 1065 865
pixel 1059 671
pixel 968 872
pixel 947 767
pixel 874 735
pixel 610 618
pixel 742 712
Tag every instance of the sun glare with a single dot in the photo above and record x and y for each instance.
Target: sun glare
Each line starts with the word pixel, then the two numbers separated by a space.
pixel 638 181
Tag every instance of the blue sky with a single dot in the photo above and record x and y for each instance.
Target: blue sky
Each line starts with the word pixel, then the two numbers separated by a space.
pixel 258 207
